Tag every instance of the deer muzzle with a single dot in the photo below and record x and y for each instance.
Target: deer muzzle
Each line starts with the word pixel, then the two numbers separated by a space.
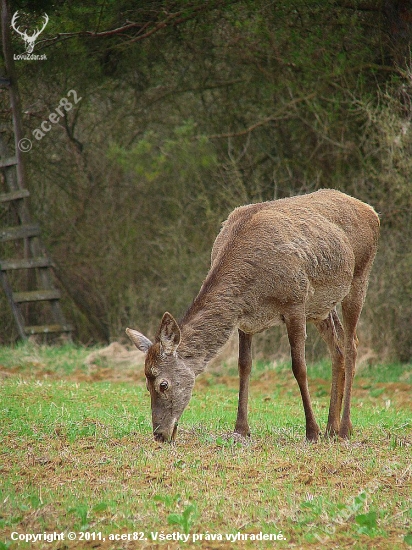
pixel 165 436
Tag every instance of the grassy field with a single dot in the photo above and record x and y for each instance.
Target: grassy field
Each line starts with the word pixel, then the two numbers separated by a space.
pixel 77 457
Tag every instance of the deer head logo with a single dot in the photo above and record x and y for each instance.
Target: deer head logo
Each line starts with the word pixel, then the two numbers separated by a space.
pixel 30 40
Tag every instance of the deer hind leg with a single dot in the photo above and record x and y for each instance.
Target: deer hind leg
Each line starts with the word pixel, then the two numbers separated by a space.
pixel 245 367
pixel 351 309
pixel 296 327
pixel 332 333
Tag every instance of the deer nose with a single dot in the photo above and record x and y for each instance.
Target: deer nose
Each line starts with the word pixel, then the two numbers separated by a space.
pixel 162 438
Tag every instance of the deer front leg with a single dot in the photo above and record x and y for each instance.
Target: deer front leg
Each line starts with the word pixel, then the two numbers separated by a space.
pixel 245 366
pixel 296 327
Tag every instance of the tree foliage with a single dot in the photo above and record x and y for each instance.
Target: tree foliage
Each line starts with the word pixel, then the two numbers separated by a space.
pixel 190 108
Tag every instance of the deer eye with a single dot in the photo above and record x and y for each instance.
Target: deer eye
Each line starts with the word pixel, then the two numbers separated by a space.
pixel 163 386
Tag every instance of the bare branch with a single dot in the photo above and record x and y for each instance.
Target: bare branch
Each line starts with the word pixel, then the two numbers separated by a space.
pixel 276 116
pixel 144 30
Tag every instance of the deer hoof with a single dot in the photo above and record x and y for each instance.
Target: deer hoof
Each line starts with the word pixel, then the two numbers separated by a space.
pixel 236 433
pixel 312 436
pixel 243 432
pixel 331 432
pixel 345 430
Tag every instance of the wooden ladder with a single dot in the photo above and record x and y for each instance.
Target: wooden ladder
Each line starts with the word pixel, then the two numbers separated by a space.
pixel 26 271
pixel 32 271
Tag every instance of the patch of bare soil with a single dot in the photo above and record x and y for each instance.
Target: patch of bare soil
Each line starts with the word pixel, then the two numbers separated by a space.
pixel 115 353
pixel 114 363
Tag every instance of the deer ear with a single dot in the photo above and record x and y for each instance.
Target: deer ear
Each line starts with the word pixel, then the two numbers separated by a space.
pixel 140 341
pixel 169 334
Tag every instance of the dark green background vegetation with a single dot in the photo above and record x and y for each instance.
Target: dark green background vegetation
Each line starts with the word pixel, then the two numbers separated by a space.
pixel 194 108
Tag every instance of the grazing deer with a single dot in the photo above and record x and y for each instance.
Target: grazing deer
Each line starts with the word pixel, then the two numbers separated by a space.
pixel 286 261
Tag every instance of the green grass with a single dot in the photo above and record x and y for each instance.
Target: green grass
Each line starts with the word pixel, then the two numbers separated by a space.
pixel 77 455
pixel 27 358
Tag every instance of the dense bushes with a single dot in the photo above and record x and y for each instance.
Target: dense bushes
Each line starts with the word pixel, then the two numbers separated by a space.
pixel 241 103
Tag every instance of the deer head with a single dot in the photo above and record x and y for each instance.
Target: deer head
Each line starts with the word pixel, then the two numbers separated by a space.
pixel 169 380
pixel 30 41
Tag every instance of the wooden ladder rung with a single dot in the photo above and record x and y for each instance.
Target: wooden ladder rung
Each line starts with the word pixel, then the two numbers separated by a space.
pixel 19 232
pixel 14 195
pixel 9 265
pixel 46 329
pixel 36 296
pixel 11 161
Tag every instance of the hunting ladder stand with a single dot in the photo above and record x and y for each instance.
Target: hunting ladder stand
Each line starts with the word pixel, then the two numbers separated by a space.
pixel 35 303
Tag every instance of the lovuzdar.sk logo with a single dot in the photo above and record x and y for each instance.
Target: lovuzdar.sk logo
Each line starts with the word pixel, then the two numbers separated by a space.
pixel 29 38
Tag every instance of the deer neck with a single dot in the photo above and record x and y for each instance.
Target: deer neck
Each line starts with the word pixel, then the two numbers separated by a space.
pixel 206 327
